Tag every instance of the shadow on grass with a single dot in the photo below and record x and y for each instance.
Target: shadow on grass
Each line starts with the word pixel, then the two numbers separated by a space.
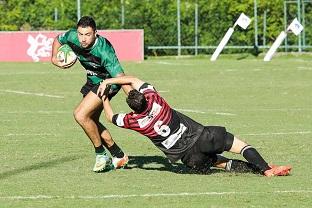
pixel 37 166
pixel 160 163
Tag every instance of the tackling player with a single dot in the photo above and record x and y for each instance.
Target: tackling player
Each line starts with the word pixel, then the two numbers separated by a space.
pixel 179 137
pixel 97 56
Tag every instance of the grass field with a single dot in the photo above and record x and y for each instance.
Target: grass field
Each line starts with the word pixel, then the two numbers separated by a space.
pixel 46 159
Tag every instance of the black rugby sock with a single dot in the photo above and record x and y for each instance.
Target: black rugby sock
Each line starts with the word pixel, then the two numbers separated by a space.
pixel 252 156
pixel 116 151
pixel 99 150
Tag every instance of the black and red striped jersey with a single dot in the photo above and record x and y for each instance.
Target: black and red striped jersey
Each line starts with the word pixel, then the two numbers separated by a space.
pixel 172 132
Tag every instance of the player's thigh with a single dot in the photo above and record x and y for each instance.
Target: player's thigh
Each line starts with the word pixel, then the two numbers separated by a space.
pixel 97 113
pixel 90 105
pixel 215 140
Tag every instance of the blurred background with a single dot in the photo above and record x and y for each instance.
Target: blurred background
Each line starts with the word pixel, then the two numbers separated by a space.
pixel 172 27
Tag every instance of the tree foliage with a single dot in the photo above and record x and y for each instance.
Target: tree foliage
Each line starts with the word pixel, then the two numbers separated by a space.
pixel 158 18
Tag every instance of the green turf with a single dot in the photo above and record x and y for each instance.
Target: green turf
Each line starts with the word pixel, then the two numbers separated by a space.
pixel 46 159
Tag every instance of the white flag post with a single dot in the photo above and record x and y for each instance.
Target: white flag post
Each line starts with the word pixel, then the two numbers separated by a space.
pixel 243 21
pixel 294 27
pixel 275 45
pixel 222 44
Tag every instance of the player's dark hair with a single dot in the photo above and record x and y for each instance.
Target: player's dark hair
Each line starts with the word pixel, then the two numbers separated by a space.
pixel 136 101
pixel 86 21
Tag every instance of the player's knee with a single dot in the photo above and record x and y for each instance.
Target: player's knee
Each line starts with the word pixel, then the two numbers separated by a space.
pixel 237 145
pixel 79 116
pixel 228 141
pixel 219 139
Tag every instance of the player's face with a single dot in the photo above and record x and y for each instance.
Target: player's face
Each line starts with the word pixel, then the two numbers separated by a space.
pixel 86 36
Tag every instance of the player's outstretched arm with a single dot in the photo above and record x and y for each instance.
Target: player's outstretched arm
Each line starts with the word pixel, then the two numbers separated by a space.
pixel 122 80
pixel 126 88
pixel 108 111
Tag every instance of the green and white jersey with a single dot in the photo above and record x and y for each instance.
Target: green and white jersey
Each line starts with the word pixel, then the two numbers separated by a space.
pixel 100 61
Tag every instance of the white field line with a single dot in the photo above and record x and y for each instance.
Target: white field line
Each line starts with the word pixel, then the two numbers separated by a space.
pixel 24 134
pixel 34 73
pixel 30 93
pixel 26 73
pixel 278 133
pixel 190 110
pixel 257 69
pixel 278 109
pixel 120 196
pixel 174 64
pixel 225 114
pixel 247 110
pixel 230 70
pixel 211 111
pixel 302 60
pixel 36 112
pixel 203 112
pixel 301 68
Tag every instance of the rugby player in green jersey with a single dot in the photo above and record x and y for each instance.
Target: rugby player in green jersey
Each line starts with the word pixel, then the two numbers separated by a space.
pixel 96 54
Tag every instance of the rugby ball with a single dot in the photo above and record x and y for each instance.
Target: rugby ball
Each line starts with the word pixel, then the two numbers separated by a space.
pixel 66 55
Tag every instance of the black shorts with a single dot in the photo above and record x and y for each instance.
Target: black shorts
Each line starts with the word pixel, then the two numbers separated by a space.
pixel 89 86
pixel 203 155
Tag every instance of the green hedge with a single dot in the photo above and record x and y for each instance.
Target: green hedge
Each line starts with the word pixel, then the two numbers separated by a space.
pixel 158 18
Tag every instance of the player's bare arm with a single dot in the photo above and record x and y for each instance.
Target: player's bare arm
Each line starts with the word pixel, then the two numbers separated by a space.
pixel 108 111
pixel 126 88
pixel 121 80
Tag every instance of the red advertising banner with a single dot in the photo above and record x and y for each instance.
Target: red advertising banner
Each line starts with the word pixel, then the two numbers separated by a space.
pixel 37 46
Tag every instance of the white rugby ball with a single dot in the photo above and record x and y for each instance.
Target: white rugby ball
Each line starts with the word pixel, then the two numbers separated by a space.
pixel 66 55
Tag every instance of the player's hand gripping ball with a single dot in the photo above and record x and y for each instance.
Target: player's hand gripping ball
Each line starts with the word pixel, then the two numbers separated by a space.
pixel 66 56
